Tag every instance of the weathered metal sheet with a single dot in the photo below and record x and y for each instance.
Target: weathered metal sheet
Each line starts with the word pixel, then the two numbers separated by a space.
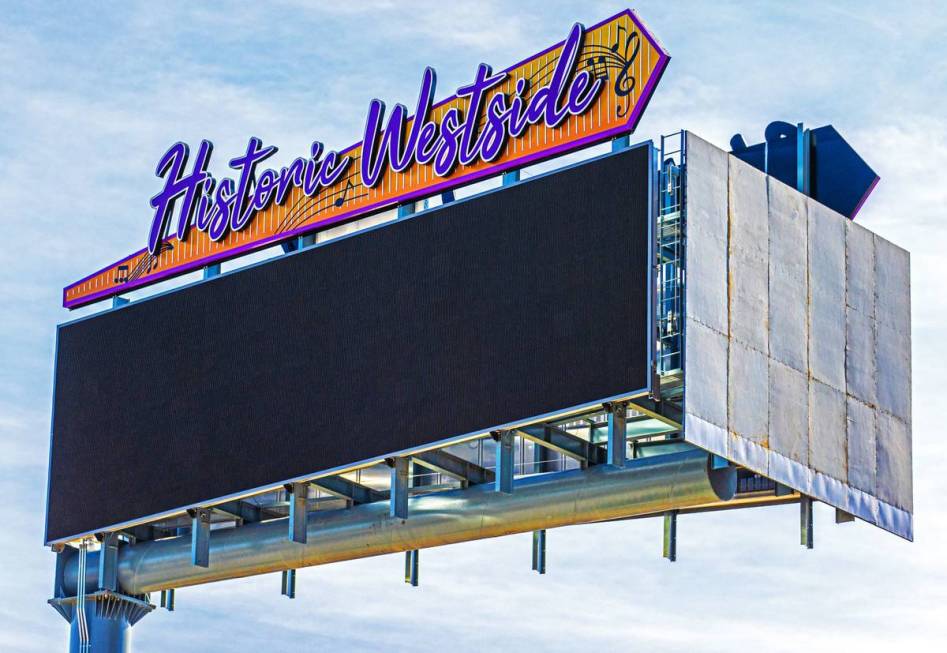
pixel 826 244
pixel 817 322
pixel 828 450
pixel 788 412
pixel 748 255
pixel 788 281
pixel 748 392
pixel 707 223
pixel 707 357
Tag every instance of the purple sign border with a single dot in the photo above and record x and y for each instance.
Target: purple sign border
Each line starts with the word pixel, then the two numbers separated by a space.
pixel 536 157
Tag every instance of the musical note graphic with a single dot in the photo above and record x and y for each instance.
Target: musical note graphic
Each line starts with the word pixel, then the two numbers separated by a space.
pixel 340 200
pixel 145 264
pixel 121 274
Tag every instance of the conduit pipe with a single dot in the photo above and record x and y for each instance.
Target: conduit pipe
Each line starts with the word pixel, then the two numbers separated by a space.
pixel 603 492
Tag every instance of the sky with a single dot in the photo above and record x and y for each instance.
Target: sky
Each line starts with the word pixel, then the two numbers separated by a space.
pixel 91 95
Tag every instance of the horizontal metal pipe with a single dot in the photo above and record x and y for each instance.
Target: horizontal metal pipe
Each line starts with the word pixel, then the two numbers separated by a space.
pixel 599 493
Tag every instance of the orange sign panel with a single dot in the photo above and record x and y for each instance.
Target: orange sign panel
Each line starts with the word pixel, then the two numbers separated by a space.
pixel 591 87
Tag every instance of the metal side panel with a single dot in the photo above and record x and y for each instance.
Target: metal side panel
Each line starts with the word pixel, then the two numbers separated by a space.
pixel 806 375
pixel 706 191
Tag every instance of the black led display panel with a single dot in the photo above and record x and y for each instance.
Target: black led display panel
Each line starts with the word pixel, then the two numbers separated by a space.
pixel 502 307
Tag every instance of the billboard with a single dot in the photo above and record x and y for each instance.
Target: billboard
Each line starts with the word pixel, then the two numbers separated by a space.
pixel 592 86
pixel 481 313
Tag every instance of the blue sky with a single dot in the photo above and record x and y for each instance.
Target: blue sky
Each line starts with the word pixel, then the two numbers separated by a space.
pixel 91 96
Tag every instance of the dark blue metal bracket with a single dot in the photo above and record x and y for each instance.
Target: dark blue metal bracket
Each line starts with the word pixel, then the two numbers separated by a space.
pixel 817 162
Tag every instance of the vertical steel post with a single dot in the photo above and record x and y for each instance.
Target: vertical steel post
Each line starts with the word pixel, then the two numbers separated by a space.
pixel 805 522
pixel 399 487
pixel 167 600
pixel 411 567
pixel 617 428
pixel 288 583
pixel 504 469
pixel 539 551
pixel 200 537
pixel 510 177
pixel 211 270
pixel 298 511
pixel 404 210
pixel 670 535
pixel 621 143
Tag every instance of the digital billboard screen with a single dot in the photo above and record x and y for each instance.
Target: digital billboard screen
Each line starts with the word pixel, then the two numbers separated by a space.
pixel 512 304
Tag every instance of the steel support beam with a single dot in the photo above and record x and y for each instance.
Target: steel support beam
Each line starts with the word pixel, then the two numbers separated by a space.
pixel 399 487
pixel 557 439
pixel 119 301
pixel 621 142
pixel 288 583
pixel 454 466
pixel 805 522
pixel 503 482
pixel 539 551
pixel 350 490
pixel 664 410
pixel 200 537
pixel 617 431
pixel 404 210
pixel 211 270
pixel 510 177
pixel 647 486
pixel 670 535
pixel 298 511
pixel 411 567
pixel 167 599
